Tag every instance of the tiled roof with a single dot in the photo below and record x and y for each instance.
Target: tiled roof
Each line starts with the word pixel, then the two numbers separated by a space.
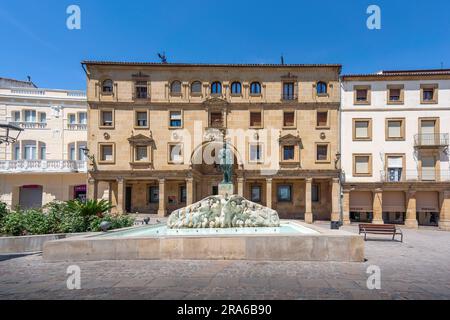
pixel 257 65
pixel 399 73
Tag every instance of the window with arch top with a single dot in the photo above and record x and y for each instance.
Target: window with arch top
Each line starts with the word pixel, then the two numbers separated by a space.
pixel 216 87
pixel 321 88
pixel 175 87
pixel 196 87
pixel 107 86
pixel 255 88
pixel 236 88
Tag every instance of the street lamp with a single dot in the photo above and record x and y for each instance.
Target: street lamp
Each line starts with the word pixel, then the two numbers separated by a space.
pixel 91 157
pixel 11 133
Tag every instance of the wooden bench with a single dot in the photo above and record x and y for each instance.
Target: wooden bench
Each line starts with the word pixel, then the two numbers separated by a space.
pixel 390 229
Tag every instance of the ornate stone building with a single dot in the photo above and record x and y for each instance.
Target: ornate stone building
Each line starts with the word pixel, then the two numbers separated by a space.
pixel 154 132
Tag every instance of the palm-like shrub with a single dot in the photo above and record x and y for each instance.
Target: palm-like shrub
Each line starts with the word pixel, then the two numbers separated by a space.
pixel 89 208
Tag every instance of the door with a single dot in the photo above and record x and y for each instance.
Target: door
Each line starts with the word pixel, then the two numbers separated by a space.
pixel 128 192
pixel 30 197
pixel 427 131
pixel 215 190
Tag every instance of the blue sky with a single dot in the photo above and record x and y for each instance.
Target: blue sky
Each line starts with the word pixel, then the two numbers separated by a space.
pixel 36 42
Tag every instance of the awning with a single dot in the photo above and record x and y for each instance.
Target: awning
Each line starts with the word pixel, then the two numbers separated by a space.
pixel 427 201
pixel 361 201
pixel 394 201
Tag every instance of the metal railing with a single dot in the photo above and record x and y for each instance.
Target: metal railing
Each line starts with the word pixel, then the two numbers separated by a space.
pixel 424 175
pixel 14 166
pixel 289 97
pixel 31 125
pixel 431 140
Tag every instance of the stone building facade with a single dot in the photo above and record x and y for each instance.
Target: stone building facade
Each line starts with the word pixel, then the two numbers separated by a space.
pixel 47 162
pixel 155 132
pixel 395 154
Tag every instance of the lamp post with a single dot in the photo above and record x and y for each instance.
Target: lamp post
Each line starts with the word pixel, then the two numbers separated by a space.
pixel 11 133
pixel 91 158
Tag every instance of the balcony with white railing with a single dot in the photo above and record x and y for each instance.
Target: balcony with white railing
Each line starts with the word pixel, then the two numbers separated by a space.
pixel 30 125
pixel 77 126
pixel 42 166
pixel 425 175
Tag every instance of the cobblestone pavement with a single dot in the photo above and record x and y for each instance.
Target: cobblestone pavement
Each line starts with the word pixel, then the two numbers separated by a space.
pixel 415 269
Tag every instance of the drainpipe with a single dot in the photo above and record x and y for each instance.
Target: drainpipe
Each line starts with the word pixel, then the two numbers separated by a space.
pixel 341 204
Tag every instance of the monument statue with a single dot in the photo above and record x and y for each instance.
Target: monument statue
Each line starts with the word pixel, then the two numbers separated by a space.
pixel 226 163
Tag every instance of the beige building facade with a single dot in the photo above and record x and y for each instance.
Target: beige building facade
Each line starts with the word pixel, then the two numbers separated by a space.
pixel 47 162
pixel 156 131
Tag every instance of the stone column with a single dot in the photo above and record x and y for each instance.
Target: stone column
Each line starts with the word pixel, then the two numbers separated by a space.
pixel 444 216
pixel 120 196
pixel 92 186
pixel 162 198
pixel 378 207
pixel 240 182
pixel 269 193
pixel 411 215
pixel 308 205
pixel 189 191
pixel 335 197
pixel 346 207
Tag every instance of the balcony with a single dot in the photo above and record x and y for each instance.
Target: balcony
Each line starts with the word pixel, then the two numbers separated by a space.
pixel 42 166
pixel 431 140
pixel 77 126
pixel 426 175
pixel 31 125
pixel 289 97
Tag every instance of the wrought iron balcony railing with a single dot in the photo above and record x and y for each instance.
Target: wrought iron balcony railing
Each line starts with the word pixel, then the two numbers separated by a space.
pixel 15 166
pixel 424 175
pixel 289 97
pixel 431 140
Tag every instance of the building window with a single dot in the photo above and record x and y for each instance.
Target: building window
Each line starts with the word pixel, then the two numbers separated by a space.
pixel 362 95
pixel 429 93
pixel 72 118
pixel 153 194
pixel 141 119
pixel 16 151
pixel 82 117
pixel 289 119
pixel 394 168
pixel 322 119
pixel 321 88
pixel 30 116
pixel 107 86
pixel 196 88
pixel 428 168
pixel 42 151
pixel 322 154
pixel 288 91
pixel 81 147
pixel 175 88
pixel 16 116
pixel 255 88
pixel 30 150
pixel 72 152
pixel 216 88
pixel 141 89
pixel 42 117
pixel 175 119
pixel 256 193
pixel 216 120
pixel 255 119
pixel 106 118
pixel 106 153
pixel 395 94
pixel 183 194
pixel 236 88
pixel 176 153
pixel 362 165
pixel 395 129
pixel 284 193
pixel 141 153
pixel 255 152
pixel 362 129
pixel 288 153
pixel 315 193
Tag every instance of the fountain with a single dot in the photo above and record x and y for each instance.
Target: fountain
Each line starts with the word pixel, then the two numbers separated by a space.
pixel 222 227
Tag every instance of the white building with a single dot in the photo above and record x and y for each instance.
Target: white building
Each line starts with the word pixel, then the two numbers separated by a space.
pixel 48 162
pixel 394 145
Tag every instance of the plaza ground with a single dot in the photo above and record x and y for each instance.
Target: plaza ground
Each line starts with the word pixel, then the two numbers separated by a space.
pixel 415 269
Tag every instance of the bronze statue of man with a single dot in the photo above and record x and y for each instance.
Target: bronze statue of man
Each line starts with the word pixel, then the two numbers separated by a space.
pixel 226 163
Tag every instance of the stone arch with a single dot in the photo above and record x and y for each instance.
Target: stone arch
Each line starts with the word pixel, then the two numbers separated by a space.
pixel 205 159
